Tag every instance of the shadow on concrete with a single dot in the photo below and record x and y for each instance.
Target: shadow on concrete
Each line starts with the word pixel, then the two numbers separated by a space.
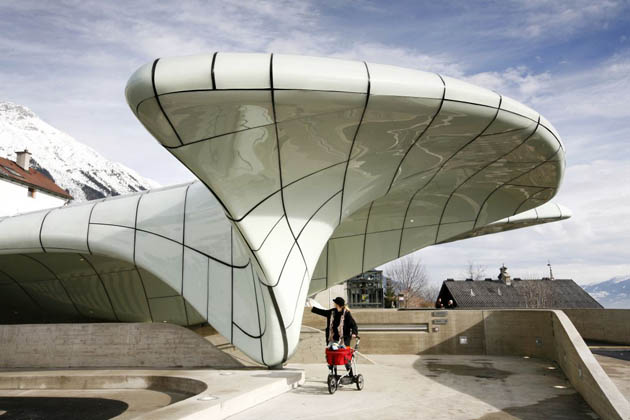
pixel 550 408
pixel 54 408
pixel 481 371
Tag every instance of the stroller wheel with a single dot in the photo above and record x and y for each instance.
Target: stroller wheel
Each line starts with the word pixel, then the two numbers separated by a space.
pixel 332 384
pixel 360 382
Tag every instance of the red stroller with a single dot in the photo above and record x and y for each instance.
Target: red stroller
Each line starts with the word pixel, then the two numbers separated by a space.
pixel 342 357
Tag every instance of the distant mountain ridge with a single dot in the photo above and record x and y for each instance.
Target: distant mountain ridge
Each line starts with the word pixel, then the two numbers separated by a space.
pixel 72 165
pixel 612 293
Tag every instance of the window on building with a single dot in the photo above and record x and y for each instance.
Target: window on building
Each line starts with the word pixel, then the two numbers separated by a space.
pixel 31 192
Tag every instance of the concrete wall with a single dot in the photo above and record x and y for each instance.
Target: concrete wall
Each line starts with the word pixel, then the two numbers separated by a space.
pixel 106 345
pixel 585 373
pixel 609 325
pixel 538 333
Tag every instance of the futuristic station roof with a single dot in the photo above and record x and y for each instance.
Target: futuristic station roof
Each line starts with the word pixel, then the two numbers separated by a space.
pixel 311 170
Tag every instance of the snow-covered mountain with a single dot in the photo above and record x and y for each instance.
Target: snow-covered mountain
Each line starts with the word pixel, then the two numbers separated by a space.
pixel 72 165
pixel 613 293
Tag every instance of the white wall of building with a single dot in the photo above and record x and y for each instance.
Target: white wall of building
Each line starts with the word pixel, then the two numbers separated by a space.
pixel 14 199
pixel 325 297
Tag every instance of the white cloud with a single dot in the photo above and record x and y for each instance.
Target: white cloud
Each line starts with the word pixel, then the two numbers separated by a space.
pixel 70 61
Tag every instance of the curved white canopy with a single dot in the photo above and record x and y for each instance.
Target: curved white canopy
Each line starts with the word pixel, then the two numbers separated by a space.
pixel 312 170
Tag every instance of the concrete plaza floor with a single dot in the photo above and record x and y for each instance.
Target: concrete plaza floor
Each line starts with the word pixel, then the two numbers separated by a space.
pixel 434 387
pixel 153 394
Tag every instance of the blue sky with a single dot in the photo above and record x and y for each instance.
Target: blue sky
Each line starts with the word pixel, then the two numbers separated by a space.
pixel 570 60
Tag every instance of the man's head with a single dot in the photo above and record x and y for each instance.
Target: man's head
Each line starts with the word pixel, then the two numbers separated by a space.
pixel 339 303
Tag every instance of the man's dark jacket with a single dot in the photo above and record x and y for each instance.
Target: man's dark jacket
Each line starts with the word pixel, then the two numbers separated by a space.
pixel 349 325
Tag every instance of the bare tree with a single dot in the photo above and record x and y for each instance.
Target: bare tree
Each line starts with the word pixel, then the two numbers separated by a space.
pixel 537 293
pixel 411 279
pixel 475 271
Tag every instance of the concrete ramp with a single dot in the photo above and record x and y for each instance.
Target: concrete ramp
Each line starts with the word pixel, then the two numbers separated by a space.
pixel 107 345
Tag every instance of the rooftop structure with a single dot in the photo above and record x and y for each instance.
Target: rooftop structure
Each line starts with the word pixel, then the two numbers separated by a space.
pixel 511 293
pixel 20 172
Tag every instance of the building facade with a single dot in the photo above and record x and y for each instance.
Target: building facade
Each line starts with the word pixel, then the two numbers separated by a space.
pixel 366 290
pixel 24 189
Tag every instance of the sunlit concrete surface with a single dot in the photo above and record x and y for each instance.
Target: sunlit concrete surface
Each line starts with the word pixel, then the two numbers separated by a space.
pixel 139 394
pixel 435 387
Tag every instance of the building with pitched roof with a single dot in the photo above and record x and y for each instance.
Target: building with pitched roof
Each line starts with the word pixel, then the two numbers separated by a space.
pixel 24 189
pixel 508 293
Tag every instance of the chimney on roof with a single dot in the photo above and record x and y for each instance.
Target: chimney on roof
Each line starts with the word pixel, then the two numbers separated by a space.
pixel 504 277
pixel 23 159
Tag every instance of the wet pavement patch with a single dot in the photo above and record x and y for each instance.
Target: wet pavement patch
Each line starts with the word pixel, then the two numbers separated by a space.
pixel 53 408
pixel 485 371
pixel 560 407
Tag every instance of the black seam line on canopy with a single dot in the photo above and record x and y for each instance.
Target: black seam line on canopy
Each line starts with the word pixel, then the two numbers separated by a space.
pixel 296 240
pixel 297 301
pixel 166 297
pixel 533 196
pixel 544 188
pixel 178 295
pixel 225 209
pixel 437 171
pixel 214 59
pixel 278 190
pixel 268 234
pixel 260 330
pixel 175 241
pixel 283 330
pixel 63 286
pixel 554 136
pixel 241 329
pixel 207 289
pixel 259 284
pixel 439 168
pixel 184 251
pixel 454 190
pixel 19 285
pixel 533 186
pixel 509 181
pixel 397 230
pixel 275 121
pixel 367 222
pixel 439 108
pixel 499 133
pixel 331 91
pixel 354 139
pixel 87 236
pixel 327 265
pixel 135 236
pixel 242 130
pixel 157 99
pixel 232 284
pixel 109 299
pixel 434 175
pixel 261 333
pixel 41 227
